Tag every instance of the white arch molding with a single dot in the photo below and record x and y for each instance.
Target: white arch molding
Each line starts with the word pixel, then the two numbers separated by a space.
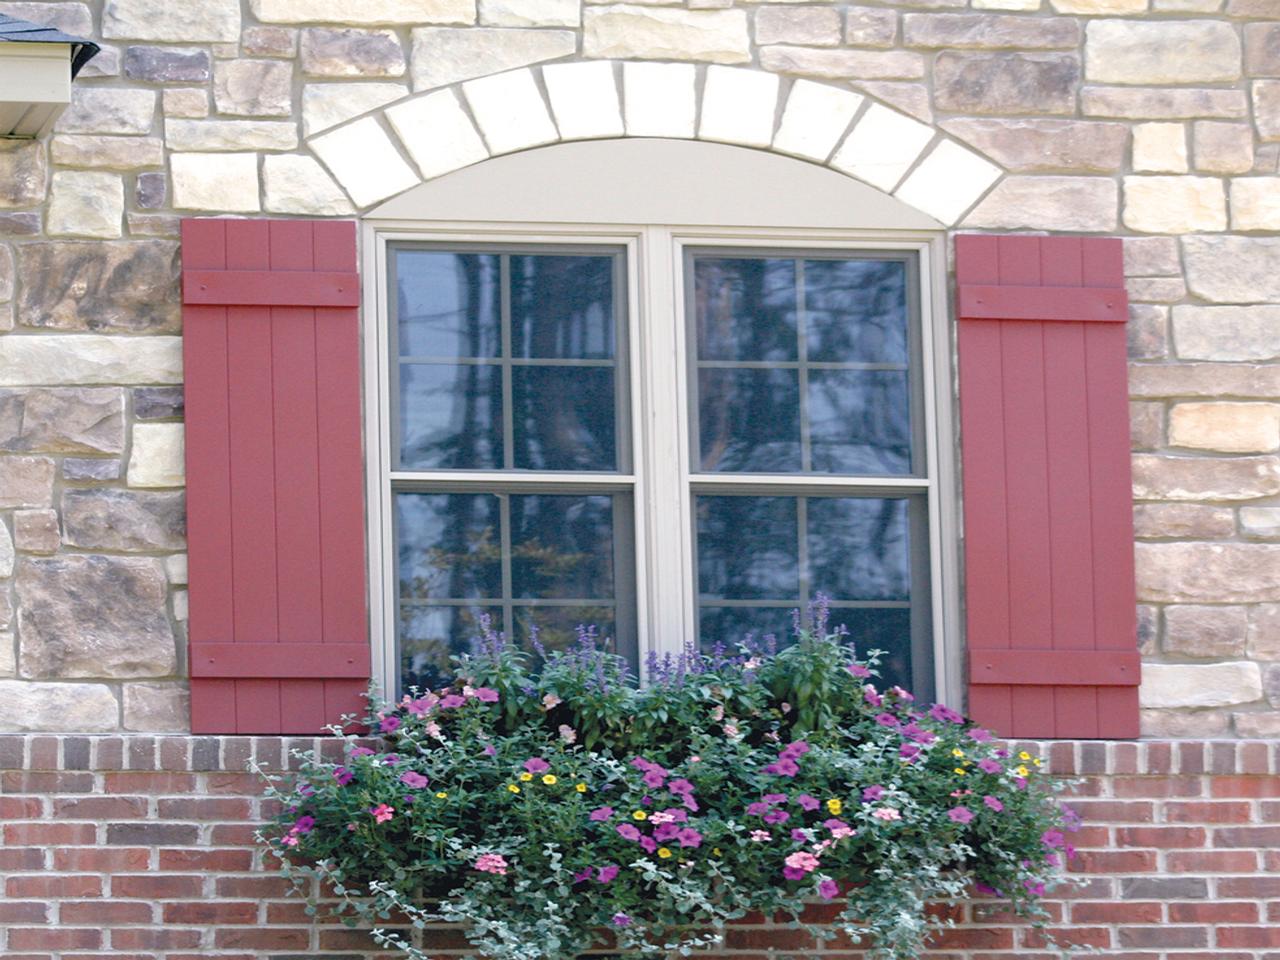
pixel 930 179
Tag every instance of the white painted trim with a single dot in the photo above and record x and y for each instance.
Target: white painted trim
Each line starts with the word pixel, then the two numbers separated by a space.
pixel 35 87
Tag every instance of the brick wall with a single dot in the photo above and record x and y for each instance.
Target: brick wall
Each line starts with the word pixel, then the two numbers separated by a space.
pixel 142 847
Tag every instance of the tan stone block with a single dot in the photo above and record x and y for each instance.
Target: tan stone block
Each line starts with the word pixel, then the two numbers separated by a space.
pixel 909 97
pixel 1151 257
pixel 22 173
pixel 1186 6
pixel 1156 289
pixel 1226 427
pixel 1227 269
pixel 1266 109
pixel 1227 333
pixel 1175 51
pixel 1183 724
pixel 269 42
pixel 1223 147
pixel 216 182
pixel 625 31
pixel 1257 724
pixel 444 55
pixel 868 27
pixel 1207 572
pixel 1261 522
pixel 983 31
pixel 186 102
pixel 1262 49
pixel 1203 380
pixel 1207 632
pixel 1148 331
pixel 107 153
pixel 325 105
pixel 814 26
pixel 1182 521
pixel 157 707
pixel 1264 631
pixel 1023 5
pixel 1028 145
pixel 57 707
pixel 1162 103
pixel 253 88
pixel 36 531
pixel 1255 203
pixel 365 13
pixel 1099 7
pixel 1166 685
pixel 1174 204
pixel 1086 204
pixel 1146 425
pixel 1160 148
pixel 1006 83
pixel 1158 477
pixel 348 52
pixel 85 204
pixel 1260 9
pixel 843 64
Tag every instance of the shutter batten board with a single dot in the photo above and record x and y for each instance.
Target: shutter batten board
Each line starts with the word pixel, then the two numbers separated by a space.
pixel 278 627
pixel 1050 600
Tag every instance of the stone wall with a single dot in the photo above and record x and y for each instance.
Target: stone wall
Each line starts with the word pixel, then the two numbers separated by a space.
pixel 142 847
pixel 1158 120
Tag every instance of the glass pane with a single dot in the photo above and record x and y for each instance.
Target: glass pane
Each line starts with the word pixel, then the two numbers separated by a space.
pixel 430 634
pixel 747 548
pixel 745 309
pixel 562 547
pixel 731 626
pixel 565 418
pixel 558 626
pixel 886 629
pixel 449 545
pixel 450 416
pixel 856 310
pixel 448 304
pixel 749 420
pixel 859 549
pixel 860 421
pixel 562 307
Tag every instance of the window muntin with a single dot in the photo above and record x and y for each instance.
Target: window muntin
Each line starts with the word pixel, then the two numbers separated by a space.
pixel 667 575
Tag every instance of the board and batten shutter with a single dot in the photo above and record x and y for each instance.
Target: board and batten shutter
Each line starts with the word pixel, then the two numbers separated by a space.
pixel 1048 521
pixel 278 638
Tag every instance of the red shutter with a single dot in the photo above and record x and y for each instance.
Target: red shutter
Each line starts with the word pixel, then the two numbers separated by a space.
pixel 275 504
pixel 1048 520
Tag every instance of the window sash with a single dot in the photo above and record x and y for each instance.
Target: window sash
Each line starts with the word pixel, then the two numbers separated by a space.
pixel 663 484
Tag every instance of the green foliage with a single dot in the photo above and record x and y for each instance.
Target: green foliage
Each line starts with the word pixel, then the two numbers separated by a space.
pixel 538 808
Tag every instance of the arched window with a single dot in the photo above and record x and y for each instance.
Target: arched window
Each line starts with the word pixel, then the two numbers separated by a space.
pixel 672 389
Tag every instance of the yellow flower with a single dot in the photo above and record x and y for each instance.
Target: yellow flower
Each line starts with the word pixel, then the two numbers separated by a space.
pixel 1024 755
pixel 961 771
pixel 664 853
pixel 1036 761
pixel 549 779
pixel 526 777
pixel 957 752
pixel 513 788
pixel 834 806
pixel 715 851
pixel 1023 772
pixel 441 795
pixel 581 788
pixel 639 815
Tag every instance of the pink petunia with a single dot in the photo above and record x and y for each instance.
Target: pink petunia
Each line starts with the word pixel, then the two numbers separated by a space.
pixel 761 836
pixel 802 861
pixel 361 752
pixel 537 765
pixel 492 863
pixel 799 836
pixel 665 831
pixel 859 671
pixel 583 875
pixel 304 825
pixel 689 837
pixel 600 814
pixel 828 889
pixel 411 778
pixel 960 814
pixel 648 843
pixel 979 735
pixel 680 787
pixel 423 705
pixel 389 724
pixel 382 813
pixel 807 802
pixel 776 816
pixel 621 920
pixel 343 776
pixel 628 832
pixel 987 765
pixel 486 695
pixel 993 803
pixel 757 809
pixel 874 792
pixel 452 701
pixel 605 874
pixel 944 714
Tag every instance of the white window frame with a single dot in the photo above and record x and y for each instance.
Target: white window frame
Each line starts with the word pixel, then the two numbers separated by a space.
pixel 665 591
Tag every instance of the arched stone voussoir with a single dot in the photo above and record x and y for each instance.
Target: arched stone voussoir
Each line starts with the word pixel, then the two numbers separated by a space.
pixel 394 148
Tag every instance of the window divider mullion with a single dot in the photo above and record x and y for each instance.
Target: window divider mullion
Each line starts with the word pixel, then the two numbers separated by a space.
pixel 802 355
pixel 508 389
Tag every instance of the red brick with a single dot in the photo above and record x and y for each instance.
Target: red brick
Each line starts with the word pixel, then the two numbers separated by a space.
pixel 20 911
pixel 973 938
pixel 1211 913
pixel 1112 912
pixel 1092 838
pixel 41 782
pixel 265 938
pixel 1248 936
pixel 213 911
pixel 103 912
pixel 1245 786
pixel 21 858
pixel 1249 887
pixel 54 938
pixel 1156 786
pixel 49 834
pixel 1211 861
pixel 208 861
pixel 1115 811
pixel 1247 837
pixel 1162 837
pixel 233 835
pixel 254 888
pixel 206 808
pixel 288 911
pixel 1000 913
pixel 102 860
pixel 135 781
pixel 20 808
pixel 1069 937
pixel 52 887
pixel 132 938
pixel 1205 811
pixel 99 808
pixel 240 784
pixel 1114 861
pixel 1163 936
pixel 169 887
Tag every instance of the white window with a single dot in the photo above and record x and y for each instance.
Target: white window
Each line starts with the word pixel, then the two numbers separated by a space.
pixel 671 433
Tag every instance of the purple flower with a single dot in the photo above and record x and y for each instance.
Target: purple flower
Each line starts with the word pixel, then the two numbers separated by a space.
pixel 783 767
pixel 412 779
pixel 649 844
pixel 621 920
pixel 793 873
pixel 987 765
pixel 870 695
pixel 887 720
pixel 993 804
pixel 873 793
pixel 908 751
pixel 859 671
pixel 654 778
pixel 797 748
pixel 486 695
pixel 1034 888
pixel 304 824
pixel 389 724
pixel 944 714
pixel 757 809
pixel 343 776
pixel 960 814
pixel 1052 838
pixel 689 837
pixel 537 765
pixel 828 889
pixel 680 787
pixel 582 875
pixel 665 831
pixel 628 832
pixel 901 694
pixel 490 750
pixel 799 836
pixel 774 798
pixel 920 735
pixel 361 752
pixel 600 814
pixel 776 816
pixel 451 701
pixel 676 814
pixel 979 735
pixel 807 802
pixel 605 874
